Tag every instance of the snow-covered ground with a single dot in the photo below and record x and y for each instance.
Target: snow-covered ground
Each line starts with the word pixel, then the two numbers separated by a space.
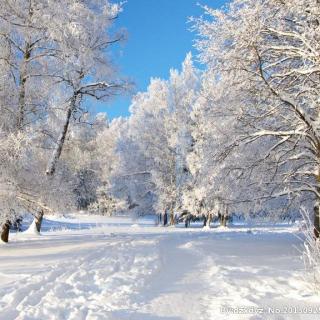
pixel 114 268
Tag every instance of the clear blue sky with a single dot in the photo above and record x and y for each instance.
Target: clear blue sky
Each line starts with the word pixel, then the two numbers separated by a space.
pixel 158 39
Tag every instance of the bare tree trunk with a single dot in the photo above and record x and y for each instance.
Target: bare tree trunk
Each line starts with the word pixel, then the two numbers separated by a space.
pixel 223 220
pixel 38 220
pixel 5 231
pixel 165 218
pixel 22 87
pixel 209 219
pixel 316 222
pixel 224 223
pixel 172 222
pixel 220 217
pixel 57 151
pixel 205 219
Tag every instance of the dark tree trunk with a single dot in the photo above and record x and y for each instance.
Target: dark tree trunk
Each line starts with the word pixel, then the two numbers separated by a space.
pixel 223 221
pixel 187 220
pixel 316 222
pixel 22 89
pixel 5 231
pixel 58 149
pixel 205 219
pixel 165 219
pixel 38 220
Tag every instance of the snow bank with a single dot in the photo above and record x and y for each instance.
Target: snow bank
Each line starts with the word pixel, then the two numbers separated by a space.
pixel 32 230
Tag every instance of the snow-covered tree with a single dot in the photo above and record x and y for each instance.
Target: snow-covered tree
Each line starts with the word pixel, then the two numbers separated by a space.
pixel 131 180
pixel 27 53
pixel 159 129
pixel 106 162
pixel 86 71
pixel 25 58
pixel 23 187
pixel 54 59
pixel 267 51
pixel 183 93
pixel 81 154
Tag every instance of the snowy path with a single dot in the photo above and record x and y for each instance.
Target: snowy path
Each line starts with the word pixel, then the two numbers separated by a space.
pixel 150 273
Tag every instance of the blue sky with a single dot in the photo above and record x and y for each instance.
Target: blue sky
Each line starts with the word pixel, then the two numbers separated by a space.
pixel 158 39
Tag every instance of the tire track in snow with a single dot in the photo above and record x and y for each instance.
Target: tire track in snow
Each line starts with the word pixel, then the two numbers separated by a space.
pixel 88 285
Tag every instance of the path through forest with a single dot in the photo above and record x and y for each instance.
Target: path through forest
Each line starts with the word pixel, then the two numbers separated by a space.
pixel 119 270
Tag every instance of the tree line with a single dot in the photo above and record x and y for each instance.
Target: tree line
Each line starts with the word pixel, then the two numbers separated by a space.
pixel 240 134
